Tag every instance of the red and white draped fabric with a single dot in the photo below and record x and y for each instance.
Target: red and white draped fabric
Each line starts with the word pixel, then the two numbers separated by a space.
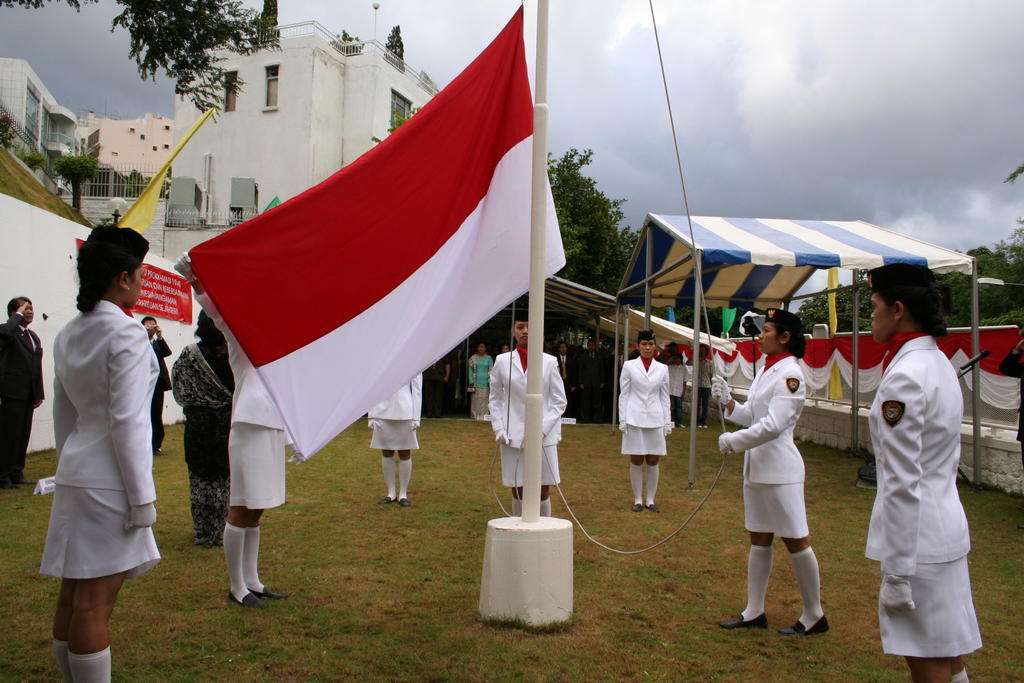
pixel 343 294
pixel 997 389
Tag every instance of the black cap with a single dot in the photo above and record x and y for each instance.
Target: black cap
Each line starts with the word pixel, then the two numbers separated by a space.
pixel 522 315
pixel 784 318
pixel 126 238
pixel 644 335
pixel 899 275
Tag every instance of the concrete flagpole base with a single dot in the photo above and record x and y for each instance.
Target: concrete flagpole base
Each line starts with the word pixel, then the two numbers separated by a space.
pixel 527 573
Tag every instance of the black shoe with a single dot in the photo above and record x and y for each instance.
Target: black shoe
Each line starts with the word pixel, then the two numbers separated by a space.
pixel 249 600
pixel 7 484
pixel 157 451
pixel 404 502
pixel 653 508
pixel 23 482
pixel 738 622
pixel 267 594
pixel 798 629
pixel 637 507
pixel 385 500
pixel 1020 526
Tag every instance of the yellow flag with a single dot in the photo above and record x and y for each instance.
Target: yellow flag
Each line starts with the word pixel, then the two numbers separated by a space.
pixel 140 214
pixel 835 385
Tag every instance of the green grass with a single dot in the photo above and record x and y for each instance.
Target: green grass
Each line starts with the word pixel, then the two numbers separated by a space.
pixel 19 183
pixel 391 593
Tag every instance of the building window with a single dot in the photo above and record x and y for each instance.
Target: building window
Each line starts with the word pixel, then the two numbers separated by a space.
pixel 154 148
pixel 272 72
pixel 167 127
pixel 32 114
pixel 401 109
pixel 131 130
pixel 113 154
pixel 230 79
pixel 142 136
pixel 167 146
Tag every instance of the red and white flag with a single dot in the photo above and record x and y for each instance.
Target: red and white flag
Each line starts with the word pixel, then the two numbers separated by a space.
pixel 347 291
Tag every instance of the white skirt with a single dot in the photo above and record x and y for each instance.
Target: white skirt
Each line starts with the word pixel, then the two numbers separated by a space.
pixel 775 508
pixel 942 623
pixel 394 435
pixel 643 441
pixel 86 538
pixel 256 456
pixel 512 466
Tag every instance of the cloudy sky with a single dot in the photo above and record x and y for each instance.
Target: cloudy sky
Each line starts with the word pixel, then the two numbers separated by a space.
pixel 905 114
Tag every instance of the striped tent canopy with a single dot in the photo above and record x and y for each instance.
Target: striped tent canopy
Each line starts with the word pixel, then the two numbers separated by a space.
pixel 757 262
pixel 570 298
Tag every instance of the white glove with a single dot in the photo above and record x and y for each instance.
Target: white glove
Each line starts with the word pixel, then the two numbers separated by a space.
pixel 720 390
pixel 184 266
pixel 297 455
pixel 668 429
pixel 895 595
pixel 374 423
pixel 725 443
pixel 623 428
pixel 501 437
pixel 415 425
pixel 140 516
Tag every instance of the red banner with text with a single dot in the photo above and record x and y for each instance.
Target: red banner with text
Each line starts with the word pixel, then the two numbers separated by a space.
pixel 164 295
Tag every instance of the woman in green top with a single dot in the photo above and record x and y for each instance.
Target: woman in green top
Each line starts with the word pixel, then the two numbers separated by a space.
pixel 479 381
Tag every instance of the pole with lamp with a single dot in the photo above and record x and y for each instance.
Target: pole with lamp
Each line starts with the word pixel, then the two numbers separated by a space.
pixel 117 206
pixel 376 6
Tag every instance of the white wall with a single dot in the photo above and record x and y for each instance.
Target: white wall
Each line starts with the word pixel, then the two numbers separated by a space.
pixel 38 261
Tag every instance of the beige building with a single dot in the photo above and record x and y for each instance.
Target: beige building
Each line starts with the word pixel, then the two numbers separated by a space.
pixel 143 144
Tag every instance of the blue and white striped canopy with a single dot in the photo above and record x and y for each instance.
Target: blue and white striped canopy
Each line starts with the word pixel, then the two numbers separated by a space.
pixel 751 262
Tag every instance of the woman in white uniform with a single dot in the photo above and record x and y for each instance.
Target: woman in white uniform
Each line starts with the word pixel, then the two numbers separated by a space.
pixel 508 417
pixel 918 529
pixel 645 418
pixel 773 474
pixel 256 444
pixel 103 507
pixel 394 422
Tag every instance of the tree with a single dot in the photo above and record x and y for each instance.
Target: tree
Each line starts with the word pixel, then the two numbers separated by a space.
pixel 395 43
pixel 815 309
pixel 1016 174
pixel 76 170
pixel 178 38
pixel 597 250
pixel 269 14
pixel 996 305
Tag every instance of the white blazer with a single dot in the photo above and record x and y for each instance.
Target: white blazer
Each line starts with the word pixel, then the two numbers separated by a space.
pixel 251 402
pixel 643 394
pixel 404 404
pixel 104 375
pixel 507 401
pixel 677 376
pixel 915 432
pixel 774 404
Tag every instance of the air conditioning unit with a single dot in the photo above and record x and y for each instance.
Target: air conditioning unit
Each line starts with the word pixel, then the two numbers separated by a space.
pixel 244 196
pixel 183 202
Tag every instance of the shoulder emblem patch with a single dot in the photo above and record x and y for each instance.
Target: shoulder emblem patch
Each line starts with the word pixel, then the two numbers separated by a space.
pixel 792 383
pixel 892 411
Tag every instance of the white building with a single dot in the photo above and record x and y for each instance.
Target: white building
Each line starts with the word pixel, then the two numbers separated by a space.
pixel 41 123
pixel 304 111
pixel 143 143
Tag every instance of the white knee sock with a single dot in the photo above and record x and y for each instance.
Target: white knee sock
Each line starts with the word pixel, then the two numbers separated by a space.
pixel 251 559
pixel 388 466
pixel 653 472
pixel 545 507
pixel 404 475
pixel 636 480
pixel 60 653
pixel 234 548
pixel 90 668
pixel 517 507
pixel 759 570
pixel 805 566
pixel 960 677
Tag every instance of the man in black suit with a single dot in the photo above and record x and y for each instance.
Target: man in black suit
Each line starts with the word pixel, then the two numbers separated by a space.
pixel 591 383
pixel 163 381
pixel 21 389
pixel 567 368
pixel 1013 367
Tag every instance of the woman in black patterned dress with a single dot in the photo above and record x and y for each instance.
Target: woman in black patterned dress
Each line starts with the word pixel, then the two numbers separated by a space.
pixel 203 385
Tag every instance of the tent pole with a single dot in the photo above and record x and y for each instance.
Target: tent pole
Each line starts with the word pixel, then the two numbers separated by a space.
pixel 855 383
pixel 615 368
pixel 975 382
pixel 647 282
pixel 698 292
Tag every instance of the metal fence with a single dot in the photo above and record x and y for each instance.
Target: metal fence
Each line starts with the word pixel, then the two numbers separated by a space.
pixel 120 181
pixel 191 218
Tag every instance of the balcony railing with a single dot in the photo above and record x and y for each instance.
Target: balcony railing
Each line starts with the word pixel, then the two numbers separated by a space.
pixel 355 48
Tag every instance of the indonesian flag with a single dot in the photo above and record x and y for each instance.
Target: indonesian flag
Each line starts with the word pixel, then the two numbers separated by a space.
pixel 344 293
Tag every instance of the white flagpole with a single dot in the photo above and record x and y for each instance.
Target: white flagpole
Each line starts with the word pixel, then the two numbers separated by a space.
pixel 539 200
